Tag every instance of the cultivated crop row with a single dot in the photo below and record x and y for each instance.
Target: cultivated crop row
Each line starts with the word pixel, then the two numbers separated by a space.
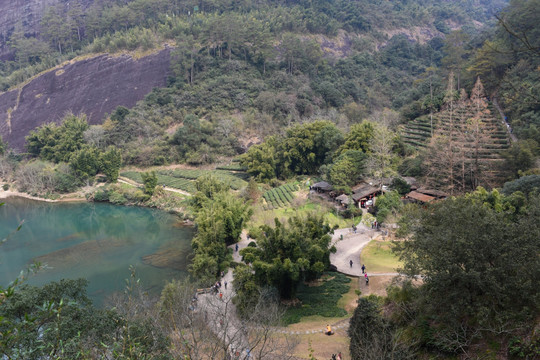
pixel 281 196
pixel 234 180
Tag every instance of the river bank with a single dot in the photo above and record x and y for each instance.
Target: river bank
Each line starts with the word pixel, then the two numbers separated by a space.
pixel 4 194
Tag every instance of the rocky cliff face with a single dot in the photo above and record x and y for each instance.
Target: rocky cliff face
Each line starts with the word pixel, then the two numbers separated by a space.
pixel 93 86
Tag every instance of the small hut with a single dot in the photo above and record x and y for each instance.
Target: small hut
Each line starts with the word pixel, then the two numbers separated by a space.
pixel 344 200
pixel 435 193
pixel 417 197
pixel 322 187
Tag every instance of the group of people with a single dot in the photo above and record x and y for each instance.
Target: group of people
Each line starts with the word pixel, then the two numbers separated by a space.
pixel 337 357
pixel 363 271
pixel 216 288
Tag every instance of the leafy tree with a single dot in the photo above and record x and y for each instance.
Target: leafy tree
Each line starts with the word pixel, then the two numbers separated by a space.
pixel 372 336
pixel 476 263
pixel 150 182
pixel 346 169
pixel 58 143
pixel 58 320
pixel 342 174
pixel 518 158
pixel 252 190
pixel 382 161
pixel 303 149
pixel 359 137
pixel 111 160
pixel 400 185
pixel 388 203
pixel 286 255
pixel 86 162
pixel 220 218
pixel 191 135
pixel 526 185
pixel 260 160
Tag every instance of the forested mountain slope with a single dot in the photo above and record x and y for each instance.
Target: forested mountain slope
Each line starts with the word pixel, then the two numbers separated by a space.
pixel 275 60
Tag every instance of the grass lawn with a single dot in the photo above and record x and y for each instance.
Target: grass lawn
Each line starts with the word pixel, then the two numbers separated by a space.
pixel 379 258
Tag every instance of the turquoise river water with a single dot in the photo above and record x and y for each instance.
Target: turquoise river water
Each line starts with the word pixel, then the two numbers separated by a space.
pixel 96 241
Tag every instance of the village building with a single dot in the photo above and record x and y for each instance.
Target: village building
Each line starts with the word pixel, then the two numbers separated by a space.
pixel 416 197
pixel 364 195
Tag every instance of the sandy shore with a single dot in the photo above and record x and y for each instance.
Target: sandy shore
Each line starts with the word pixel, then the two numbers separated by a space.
pixel 9 193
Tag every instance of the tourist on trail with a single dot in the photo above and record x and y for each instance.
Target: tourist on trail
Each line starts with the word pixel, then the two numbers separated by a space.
pixel 236 247
pixel 225 285
pixel 339 356
pixel 350 262
pixel 367 278
pixel 329 330
pixel 363 268
pixel 220 295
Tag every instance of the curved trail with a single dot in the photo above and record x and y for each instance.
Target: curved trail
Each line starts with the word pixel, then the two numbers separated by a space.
pixel 348 248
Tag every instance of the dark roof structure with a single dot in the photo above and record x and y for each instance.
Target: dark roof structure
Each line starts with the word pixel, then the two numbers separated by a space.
pixel 323 185
pixel 343 199
pixel 364 191
pixel 420 197
pixel 436 193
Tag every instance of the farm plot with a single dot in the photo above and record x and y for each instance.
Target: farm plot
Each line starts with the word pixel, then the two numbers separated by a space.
pixel 281 196
pixel 164 180
pixel 183 179
pixel 235 180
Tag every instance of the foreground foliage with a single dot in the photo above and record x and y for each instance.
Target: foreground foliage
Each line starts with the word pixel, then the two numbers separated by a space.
pixel 478 255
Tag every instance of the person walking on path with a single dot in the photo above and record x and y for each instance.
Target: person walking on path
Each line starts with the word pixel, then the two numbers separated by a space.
pixel 367 278
pixel 225 285
pixel 236 247
pixel 363 268
pixel 350 262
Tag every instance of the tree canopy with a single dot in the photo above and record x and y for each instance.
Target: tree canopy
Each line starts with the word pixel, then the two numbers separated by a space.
pixel 289 253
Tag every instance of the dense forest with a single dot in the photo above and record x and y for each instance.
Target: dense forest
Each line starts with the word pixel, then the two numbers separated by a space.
pixel 274 93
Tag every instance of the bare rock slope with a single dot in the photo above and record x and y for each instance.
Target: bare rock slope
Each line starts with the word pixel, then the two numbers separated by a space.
pixel 94 86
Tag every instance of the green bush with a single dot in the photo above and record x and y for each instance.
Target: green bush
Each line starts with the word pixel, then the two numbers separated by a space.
pixel 5 187
pixel 101 195
pixel 117 198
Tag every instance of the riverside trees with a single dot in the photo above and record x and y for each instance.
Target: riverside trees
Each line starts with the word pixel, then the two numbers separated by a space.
pixel 220 218
pixel 66 143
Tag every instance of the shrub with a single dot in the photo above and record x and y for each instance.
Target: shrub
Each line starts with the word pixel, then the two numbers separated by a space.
pixel 101 195
pixel 117 198
pixel 5 187
pixel 252 244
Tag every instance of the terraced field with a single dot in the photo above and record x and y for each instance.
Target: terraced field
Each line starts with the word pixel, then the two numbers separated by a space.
pixel 474 127
pixel 184 179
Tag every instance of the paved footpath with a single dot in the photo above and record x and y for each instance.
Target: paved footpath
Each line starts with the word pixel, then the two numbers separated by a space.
pixel 350 248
